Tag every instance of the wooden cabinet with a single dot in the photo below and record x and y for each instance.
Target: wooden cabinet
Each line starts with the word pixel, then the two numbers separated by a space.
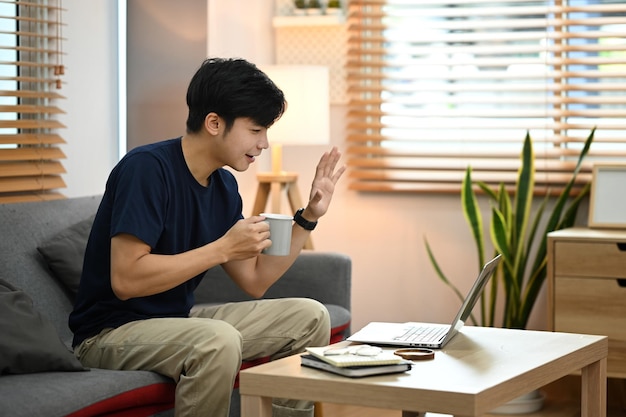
pixel 587 287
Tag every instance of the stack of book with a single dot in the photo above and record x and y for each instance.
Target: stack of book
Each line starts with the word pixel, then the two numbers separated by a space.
pixel 348 362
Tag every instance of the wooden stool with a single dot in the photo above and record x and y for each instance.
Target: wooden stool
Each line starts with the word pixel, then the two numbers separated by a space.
pixel 275 184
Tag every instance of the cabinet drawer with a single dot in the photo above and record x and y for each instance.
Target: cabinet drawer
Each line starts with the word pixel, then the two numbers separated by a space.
pixel 594 306
pixel 590 259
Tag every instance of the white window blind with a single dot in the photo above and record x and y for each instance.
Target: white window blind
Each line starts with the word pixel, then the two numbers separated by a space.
pixel 30 70
pixel 436 86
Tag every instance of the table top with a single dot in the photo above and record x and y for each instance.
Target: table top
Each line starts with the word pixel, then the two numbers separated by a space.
pixel 479 369
pixel 586 233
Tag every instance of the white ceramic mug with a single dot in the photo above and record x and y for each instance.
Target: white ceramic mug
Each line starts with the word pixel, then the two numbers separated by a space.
pixel 280 233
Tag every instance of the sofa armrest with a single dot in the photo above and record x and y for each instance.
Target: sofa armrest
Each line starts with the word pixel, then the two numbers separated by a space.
pixel 323 276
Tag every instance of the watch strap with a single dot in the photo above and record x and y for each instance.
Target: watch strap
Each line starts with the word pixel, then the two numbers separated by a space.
pixel 302 222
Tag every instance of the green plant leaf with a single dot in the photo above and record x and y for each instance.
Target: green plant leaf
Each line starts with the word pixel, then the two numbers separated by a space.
pixel 439 272
pixel 471 212
pixel 499 201
pixel 505 207
pixel 569 218
pixel 524 193
pixel 443 277
pixel 473 217
pixel 487 190
pixel 535 224
pixel 494 285
pixel 500 234
pixel 524 188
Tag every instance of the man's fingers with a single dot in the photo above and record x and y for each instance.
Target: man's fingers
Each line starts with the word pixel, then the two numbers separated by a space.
pixel 328 163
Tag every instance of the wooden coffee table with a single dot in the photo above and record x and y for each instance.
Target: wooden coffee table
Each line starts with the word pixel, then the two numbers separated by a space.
pixel 480 369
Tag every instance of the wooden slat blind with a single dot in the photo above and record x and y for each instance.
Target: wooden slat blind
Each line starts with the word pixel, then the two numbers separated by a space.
pixel 30 81
pixel 437 85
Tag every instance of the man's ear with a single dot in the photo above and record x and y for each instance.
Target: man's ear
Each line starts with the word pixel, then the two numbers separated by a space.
pixel 212 123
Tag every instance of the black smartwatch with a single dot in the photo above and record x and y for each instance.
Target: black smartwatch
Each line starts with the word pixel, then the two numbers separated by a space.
pixel 302 222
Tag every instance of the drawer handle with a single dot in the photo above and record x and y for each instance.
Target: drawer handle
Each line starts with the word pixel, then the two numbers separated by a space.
pixel 621 246
pixel 621 282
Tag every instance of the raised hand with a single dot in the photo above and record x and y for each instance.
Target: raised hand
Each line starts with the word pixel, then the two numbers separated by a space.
pixel 326 176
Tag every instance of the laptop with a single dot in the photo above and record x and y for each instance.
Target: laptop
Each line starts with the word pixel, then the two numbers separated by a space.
pixel 426 335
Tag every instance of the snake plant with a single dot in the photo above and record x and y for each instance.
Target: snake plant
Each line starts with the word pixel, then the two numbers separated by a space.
pixel 519 235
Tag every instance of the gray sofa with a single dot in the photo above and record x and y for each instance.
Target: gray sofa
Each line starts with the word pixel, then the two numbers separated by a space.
pixel 27 227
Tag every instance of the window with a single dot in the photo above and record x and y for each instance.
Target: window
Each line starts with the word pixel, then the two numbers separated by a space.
pixel 436 86
pixel 30 71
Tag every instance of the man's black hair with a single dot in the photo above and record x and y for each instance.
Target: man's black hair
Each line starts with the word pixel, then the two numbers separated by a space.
pixel 232 88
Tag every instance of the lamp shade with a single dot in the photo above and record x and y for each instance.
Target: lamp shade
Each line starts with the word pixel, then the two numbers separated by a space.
pixel 307 118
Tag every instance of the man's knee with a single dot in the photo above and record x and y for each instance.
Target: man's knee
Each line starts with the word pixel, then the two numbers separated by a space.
pixel 317 315
pixel 317 310
pixel 220 334
pixel 216 340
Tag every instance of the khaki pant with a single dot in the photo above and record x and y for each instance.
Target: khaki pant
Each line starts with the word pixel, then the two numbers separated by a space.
pixel 203 353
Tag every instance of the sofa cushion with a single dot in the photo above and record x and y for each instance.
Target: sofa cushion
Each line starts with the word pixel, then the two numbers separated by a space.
pixel 65 251
pixel 339 322
pixel 100 392
pixel 29 341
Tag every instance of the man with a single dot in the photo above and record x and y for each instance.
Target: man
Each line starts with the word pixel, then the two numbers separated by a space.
pixel 170 211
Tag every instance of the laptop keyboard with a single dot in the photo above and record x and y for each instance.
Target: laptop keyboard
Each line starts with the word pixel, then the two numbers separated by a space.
pixel 423 334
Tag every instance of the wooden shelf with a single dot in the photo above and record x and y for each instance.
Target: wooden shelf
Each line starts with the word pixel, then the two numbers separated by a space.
pixel 311 20
pixel 586 293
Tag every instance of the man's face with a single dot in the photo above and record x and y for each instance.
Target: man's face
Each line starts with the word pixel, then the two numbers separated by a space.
pixel 243 143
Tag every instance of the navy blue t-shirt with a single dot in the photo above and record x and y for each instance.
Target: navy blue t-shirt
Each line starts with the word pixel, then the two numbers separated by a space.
pixel 151 194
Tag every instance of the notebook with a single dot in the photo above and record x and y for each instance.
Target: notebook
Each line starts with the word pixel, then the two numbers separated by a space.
pixel 343 359
pixel 427 335
pixel 354 371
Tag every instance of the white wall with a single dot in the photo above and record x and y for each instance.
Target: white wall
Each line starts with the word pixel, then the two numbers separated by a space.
pixel 382 233
pixel 90 85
